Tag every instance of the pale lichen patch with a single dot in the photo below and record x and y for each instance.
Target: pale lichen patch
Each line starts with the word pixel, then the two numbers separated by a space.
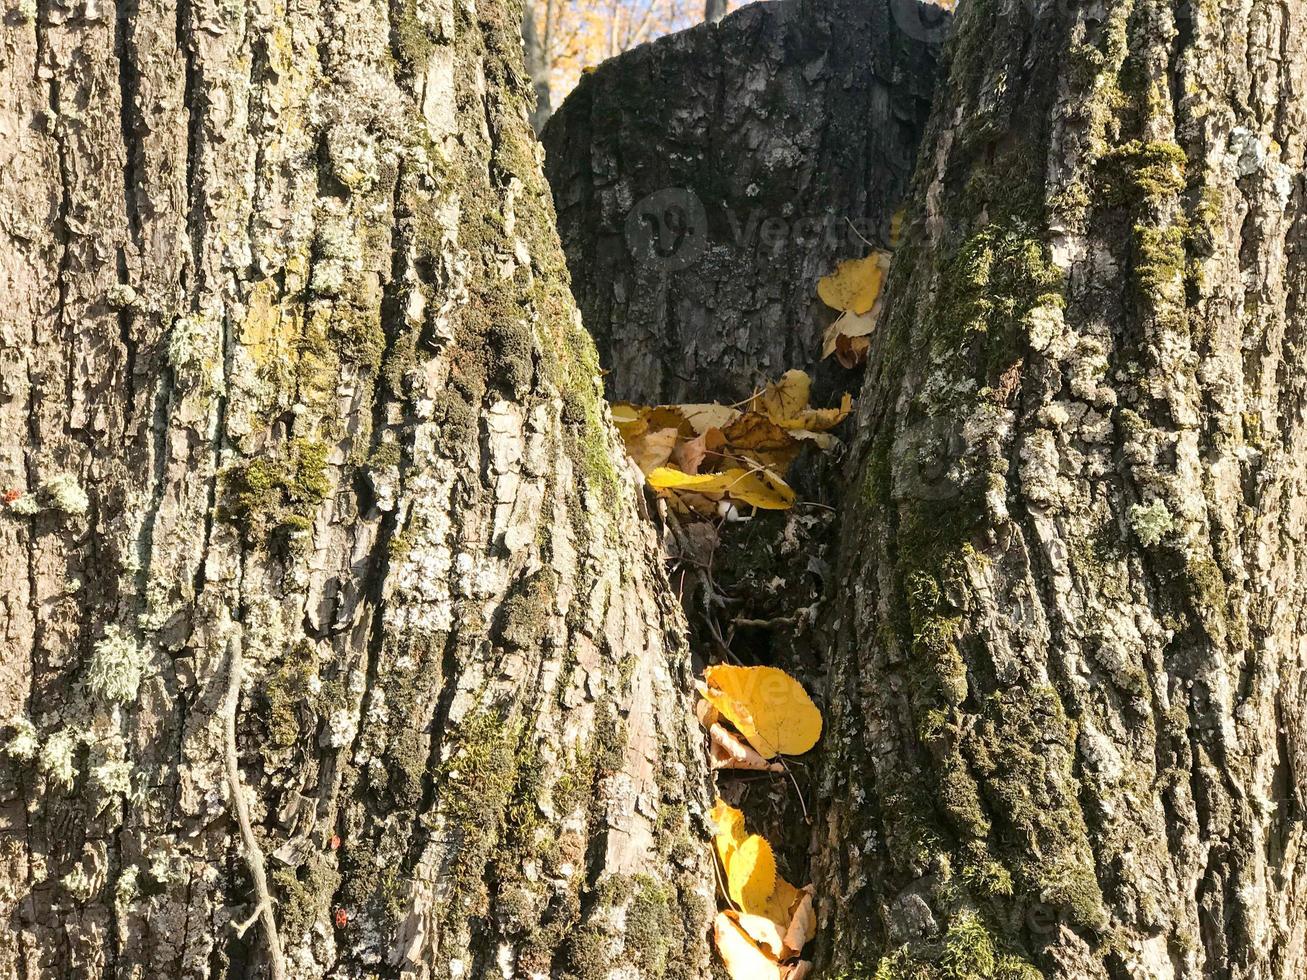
pixel 116 666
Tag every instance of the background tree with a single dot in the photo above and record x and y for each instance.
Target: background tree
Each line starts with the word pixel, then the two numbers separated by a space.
pixel 565 38
pixel 537 68
pixel 699 287
pixel 1065 694
pixel 321 575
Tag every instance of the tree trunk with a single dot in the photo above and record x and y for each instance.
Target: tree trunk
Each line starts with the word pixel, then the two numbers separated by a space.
pixel 1066 696
pixel 537 68
pixel 322 574
pixel 714 10
pixel 1068 689
pixel 703 183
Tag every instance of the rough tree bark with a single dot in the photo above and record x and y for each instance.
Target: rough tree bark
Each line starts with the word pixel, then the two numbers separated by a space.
pixel 705 180
pixel 318 567
pixel 1066 695
pixel 703 183
pixel 1068 679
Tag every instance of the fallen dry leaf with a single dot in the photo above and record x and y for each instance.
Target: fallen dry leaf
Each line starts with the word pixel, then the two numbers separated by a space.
pixel 849 326
pixel 851 351
pixel 762 931
pixel 782 903
pixel 689 456
pixel 855 283
pixel 756 437
pixel 695 504
pixel 651 450
pixel 758 488
pixel 752 938
pixel 740 955
pixel 701 418
pixel 768 707
pixel 822 440
pixel 728 752
pixel 803 924
pixel 706 713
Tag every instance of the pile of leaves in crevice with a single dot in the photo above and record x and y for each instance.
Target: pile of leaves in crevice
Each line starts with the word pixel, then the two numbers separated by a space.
pixel 747 557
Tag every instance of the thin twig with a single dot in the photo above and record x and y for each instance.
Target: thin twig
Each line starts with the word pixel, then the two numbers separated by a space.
pixel 243 927
pixel 253 853
pixel 769 624
pixel 717 870
pixel 854 229
pixel 813 503
pixel 797 790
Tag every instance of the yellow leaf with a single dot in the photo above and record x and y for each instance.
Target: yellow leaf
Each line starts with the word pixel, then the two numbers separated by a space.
pixel 740 955
pixel 669 417
pixel 768 706
pixel 786 398
pixel 848 325
pixel 652 449
pixel 624 413
pixel 897 218
pixel 820 419
pixel 855 283
pixel 762 931
pixel 751 873
pixel 708 416
pixel 803 923
pixel 757 488
pixel 822 440
pixel 630 420
pixel 728 820
pixel 730 830
pixel 785 402
pixel 756 437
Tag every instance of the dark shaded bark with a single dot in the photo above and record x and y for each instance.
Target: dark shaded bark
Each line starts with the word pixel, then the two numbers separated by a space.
pixel 704 182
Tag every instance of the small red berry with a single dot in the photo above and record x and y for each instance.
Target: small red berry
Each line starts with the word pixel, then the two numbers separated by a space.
pixel 342 918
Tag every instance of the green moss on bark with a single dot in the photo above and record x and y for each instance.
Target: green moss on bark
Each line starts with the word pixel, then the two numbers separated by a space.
pixel 278 492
